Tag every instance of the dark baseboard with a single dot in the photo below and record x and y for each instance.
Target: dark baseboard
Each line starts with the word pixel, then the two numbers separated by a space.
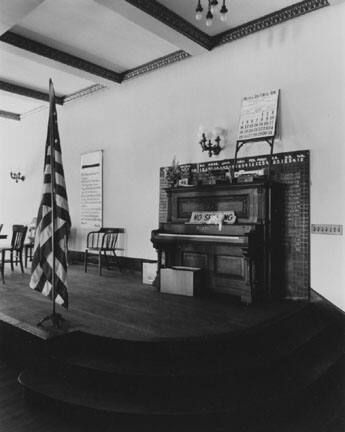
pixel 125 263
pixel 326 305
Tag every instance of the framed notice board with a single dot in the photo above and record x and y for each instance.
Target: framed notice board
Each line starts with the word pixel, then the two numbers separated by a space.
pixel 91 190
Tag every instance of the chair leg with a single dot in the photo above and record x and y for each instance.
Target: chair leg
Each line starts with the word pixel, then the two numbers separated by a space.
pixel 26 256
pixel 11 259
pixel 106 260
pixel 100 263
pixel 117 261
pixel 2 266
pixel 85 260
pixel 20 259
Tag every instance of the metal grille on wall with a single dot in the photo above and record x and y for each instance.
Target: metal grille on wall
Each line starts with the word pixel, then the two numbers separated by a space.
pixel 292 171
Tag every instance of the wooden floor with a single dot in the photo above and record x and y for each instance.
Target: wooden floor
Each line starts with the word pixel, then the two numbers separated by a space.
pixel 118 305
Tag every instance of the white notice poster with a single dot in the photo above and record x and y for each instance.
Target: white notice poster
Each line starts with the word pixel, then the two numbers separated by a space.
pixel 258 116
pixel 91 190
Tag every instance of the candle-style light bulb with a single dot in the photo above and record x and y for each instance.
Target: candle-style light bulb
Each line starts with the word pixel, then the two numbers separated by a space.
pixel 223 17
pixel 198 11
pixel 223 12
pixel 209 18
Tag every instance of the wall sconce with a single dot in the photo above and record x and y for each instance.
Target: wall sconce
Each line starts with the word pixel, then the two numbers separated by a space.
pixel 17 176
pixel 212 142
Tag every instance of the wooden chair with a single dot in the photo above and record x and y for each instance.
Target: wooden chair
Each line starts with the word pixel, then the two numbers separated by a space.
pixel 102 241
pixel 15 249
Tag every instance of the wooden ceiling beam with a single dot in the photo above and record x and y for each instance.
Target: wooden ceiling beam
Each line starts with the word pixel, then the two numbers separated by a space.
pixel 9 115
pixel 28 92
pixel 57 59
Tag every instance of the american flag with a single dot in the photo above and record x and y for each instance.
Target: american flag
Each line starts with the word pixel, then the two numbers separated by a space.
pixel 42 263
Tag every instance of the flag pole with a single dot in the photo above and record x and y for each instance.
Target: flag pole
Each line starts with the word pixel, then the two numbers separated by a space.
pixel 52 196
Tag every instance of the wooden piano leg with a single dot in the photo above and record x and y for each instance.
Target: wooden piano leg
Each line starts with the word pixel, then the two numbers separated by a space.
pixel 247 295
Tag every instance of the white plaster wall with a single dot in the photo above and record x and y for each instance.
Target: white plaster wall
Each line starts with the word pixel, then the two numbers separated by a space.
pixel 22 149
pixel 143 123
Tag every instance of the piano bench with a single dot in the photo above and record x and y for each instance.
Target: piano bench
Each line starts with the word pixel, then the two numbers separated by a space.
pixel 181 280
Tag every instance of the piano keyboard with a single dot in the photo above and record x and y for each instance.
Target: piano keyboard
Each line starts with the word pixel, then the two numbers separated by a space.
pixel 206 238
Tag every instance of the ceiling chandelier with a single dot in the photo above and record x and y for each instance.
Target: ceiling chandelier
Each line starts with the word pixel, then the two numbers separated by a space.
pixel 211 9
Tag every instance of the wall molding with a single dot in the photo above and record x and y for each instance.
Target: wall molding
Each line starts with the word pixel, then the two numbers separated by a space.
pixel 269 20
pixel 155 64
pixel 84 92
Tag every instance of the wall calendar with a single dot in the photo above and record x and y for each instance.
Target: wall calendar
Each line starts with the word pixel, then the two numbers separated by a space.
pixel 258 116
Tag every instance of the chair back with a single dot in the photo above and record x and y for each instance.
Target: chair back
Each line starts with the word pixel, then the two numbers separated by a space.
pixel 18 237
pixel 110 236
pixel 105 238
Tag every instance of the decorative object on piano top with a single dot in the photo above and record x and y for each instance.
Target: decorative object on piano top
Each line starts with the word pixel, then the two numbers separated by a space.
pixel 218 176
pixel 211 141
pixel 179 175
pixel 250 176
pixel 173 173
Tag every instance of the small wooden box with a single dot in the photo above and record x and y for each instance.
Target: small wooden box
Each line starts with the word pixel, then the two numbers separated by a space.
pixel 149 273
pixel 180 280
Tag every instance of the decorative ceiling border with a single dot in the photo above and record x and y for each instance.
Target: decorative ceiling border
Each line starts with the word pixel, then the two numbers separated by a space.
pixel 173 20
pixel 60 56
pixel 155 64
pixel 27 92
pixel 269 20
pixel 84 92
pixel 9 115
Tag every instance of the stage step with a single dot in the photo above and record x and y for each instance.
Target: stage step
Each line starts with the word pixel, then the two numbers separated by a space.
pixel 259 348
pixel 281 388
pixel 278 381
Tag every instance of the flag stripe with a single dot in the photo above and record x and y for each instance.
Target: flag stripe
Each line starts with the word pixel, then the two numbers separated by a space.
pixel 42 263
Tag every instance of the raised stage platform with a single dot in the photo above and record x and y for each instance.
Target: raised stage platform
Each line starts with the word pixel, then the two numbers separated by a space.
pixel 119 306
pixel 127 351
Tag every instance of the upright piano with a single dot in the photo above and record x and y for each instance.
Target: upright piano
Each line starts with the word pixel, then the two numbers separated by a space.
pixel 240 259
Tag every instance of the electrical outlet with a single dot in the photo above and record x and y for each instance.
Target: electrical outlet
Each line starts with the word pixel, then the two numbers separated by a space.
pixel 329 229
